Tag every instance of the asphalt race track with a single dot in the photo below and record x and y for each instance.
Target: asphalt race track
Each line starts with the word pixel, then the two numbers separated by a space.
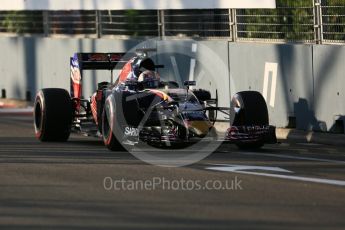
pixel 72 186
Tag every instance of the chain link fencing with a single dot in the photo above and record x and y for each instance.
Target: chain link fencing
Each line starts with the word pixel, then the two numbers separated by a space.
pixel 307 21
pixel 131 23
pixel 72 22
pixel 21 22
pixel 333 20
pixel 292 21
pixel 197 23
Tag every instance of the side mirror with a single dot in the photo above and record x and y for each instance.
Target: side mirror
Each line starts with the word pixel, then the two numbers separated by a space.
pixel 189 83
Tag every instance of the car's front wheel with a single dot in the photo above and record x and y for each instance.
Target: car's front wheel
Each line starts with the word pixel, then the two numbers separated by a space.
pixel 248 108
pixel 109 126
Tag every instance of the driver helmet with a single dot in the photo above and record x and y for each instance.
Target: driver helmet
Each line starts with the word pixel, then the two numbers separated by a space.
pixel 149 79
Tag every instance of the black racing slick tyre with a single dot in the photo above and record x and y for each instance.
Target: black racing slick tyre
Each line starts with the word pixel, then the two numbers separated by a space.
pixel 53 115
pixel 109 126
pixel 248 108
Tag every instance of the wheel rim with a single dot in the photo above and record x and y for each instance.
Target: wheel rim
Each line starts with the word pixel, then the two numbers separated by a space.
pixel 38 116
pixel 106 127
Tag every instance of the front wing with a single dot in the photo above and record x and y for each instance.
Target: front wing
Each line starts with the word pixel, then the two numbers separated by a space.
pixel 243 134
pixel 234 135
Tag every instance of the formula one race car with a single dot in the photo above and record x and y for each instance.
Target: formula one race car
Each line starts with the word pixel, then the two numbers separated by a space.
pixel 140 107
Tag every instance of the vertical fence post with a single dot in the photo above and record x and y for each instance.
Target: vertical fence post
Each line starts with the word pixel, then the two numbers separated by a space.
pixel 98 24
pixel 161 24
pixel 320 21
pixel 233 24
pixel 318 31
pixel 46 24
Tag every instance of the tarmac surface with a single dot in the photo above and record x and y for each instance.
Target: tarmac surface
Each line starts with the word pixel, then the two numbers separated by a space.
pixel 81 185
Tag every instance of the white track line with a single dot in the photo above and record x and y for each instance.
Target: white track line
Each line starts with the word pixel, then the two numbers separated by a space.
pixel 292 157
pixel 289 177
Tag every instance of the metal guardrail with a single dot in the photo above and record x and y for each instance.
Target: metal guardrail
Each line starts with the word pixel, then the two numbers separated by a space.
pixel 308 21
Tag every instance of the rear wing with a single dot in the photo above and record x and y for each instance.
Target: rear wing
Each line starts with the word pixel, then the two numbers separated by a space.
pixel 99 61
pixel 93 61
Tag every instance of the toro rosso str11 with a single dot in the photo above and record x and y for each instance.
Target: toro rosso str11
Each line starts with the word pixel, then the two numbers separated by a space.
pixel 140 107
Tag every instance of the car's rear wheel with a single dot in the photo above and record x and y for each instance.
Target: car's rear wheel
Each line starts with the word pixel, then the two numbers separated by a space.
pixel 53 114
pixel 248 108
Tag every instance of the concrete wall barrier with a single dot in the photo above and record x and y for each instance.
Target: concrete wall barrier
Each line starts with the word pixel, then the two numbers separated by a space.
pixel 283 73
pixel 28 64
pixel 329 87
pixel 303 84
